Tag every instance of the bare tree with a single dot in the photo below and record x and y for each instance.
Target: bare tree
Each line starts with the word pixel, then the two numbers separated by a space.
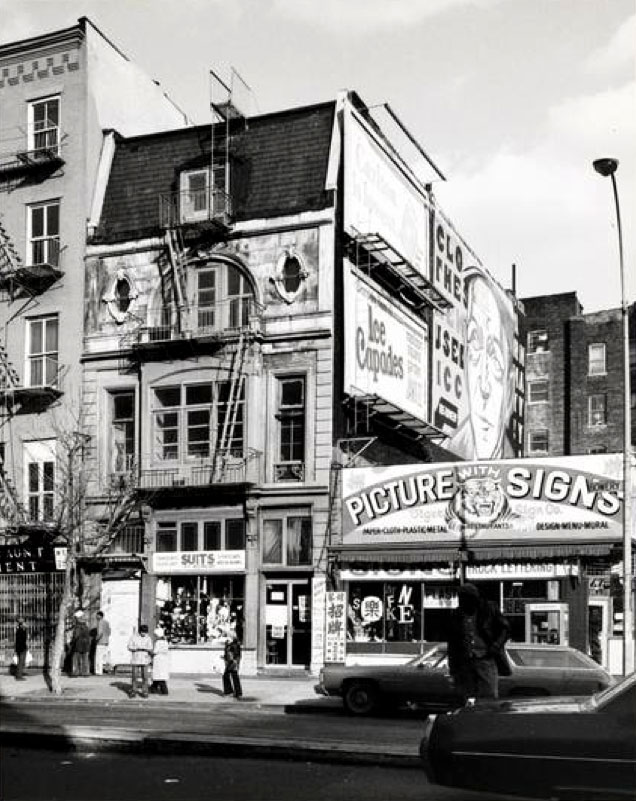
pixel 83 534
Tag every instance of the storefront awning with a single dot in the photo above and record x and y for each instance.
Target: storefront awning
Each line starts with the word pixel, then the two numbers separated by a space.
pixel 400 556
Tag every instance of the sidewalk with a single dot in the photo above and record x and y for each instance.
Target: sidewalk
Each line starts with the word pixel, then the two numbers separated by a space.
pixel 200 689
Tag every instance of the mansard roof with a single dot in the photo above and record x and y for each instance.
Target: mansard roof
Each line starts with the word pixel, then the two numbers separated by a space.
pixel 278 165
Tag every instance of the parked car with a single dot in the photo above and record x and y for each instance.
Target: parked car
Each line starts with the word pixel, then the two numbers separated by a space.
pixel 536 670
pixel 564 748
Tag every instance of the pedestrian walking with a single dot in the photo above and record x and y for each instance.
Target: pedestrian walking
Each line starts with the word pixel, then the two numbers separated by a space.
pixel 160 664
pixel 232 659
pixel 21 648
pixel 102 642
pixel 476 639
pixel 80 645
pixel 140 647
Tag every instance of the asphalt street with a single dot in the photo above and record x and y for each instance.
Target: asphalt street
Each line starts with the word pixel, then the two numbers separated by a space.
pixel 43 775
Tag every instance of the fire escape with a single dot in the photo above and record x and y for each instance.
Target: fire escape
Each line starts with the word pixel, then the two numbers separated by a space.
pixel 195 220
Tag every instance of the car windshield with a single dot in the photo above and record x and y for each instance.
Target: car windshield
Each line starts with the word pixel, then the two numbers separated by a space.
pixel 607 696
pixel 547 657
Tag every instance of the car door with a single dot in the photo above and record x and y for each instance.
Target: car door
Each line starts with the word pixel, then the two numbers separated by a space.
pixel 432 683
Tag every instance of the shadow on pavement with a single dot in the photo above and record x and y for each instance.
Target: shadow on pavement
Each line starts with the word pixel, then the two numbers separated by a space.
pixel 207 688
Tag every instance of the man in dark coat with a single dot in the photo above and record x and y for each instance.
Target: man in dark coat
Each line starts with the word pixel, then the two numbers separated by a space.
pixel 232 658
pixel 80 645
pixel 476 638
pixel 21 649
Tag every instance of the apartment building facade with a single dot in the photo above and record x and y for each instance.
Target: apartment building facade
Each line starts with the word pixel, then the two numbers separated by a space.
pixel 58 92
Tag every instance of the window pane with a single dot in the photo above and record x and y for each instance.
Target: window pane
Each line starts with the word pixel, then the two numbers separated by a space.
pixel 169 396
pixel 212 535
pixel 53 219
pixel 298 540
pixel 37 373
pixel 235 282
pixel 235 535
pixel 166 537
pixel 51 336
pixel 292 392
pixel 124 406
pixel 273 542
pixel 36 336
pixel 49 476
pixel 37 221
pixel 198 394
pixel 189 537
pixel 34 481
pixel 199 433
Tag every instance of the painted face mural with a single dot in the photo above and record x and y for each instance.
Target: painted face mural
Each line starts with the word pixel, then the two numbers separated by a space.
pixel 487 369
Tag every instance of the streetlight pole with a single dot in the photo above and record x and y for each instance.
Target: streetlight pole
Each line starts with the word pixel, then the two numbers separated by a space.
pixel 607 167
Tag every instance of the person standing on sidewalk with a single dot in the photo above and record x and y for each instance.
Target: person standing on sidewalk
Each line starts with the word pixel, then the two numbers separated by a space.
pixel 21 649
pixel 102 641
pixel 232 658
pixel 476 639
pixel 80 645
pixel 140 647
pixel 160 664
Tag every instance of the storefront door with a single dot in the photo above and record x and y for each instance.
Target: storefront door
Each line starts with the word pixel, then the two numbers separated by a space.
pixel 599 628
pixel 288 623
pixel 547 623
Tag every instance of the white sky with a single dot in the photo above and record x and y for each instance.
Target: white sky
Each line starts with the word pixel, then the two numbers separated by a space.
pixel 513 99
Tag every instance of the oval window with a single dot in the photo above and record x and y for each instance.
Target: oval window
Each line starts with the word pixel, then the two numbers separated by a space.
pixel 122 295
pixel 292 275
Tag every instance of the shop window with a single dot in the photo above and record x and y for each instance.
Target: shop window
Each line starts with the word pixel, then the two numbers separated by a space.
pixel 190 420
pixel 166 537
pixel 538 341
pixel 213 535
pixel 195 610
pixel 287 540
pixel 291 416
pixel 597 410
pixel 189 537
pixel 122 431
pixel 235 535
pixel 390 611
pixel 596 359
pixel 539 441
pixel 42 351
pixel 538 391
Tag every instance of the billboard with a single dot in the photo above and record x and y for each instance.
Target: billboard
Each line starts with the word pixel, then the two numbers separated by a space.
pixel 566 499
pixel 385 350
pixel 473 375
pixel 379 198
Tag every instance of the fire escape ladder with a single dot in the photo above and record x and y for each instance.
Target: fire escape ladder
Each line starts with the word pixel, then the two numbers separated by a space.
pixel 10 262
pixel 237 382
pixel 176 253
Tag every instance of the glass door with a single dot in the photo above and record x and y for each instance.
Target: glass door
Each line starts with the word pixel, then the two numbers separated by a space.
pixel 288 623
pixel 547 623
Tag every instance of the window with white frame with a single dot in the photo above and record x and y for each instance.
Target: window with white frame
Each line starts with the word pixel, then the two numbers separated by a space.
pixel 539 441
pixel 44 125
pixel 223 298
pixel 538 341
pixel 44 234
pixel 39 464
pixel 596 359
pixel 42 351
pixel 195 195
pixel 538 391
pixel 201 535
pixel 597 409
pixel 291 417
pixel 287 539
pixel 122 430
pixel 191 420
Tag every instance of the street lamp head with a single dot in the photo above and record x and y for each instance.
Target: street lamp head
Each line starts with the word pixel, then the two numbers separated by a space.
pixel 605 166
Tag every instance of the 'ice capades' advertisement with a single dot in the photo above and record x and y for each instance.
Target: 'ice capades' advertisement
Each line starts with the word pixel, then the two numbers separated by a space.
pixel 473 380
pixel 567 499
pixel 378 196
pixel 386 351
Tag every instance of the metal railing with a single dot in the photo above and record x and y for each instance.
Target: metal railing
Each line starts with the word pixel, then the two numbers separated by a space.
pixel 289 471
pixel 45 252
pixel 229 467
pixel 32 146
pixel 128 541
pixel 172 322
pixel 212 206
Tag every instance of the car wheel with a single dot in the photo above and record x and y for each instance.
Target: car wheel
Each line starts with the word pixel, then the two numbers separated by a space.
pixel 360 698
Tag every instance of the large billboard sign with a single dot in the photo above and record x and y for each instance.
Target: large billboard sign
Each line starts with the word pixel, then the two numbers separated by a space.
pixel 473 376
pixel 379 198
pixel 386 351
pixel 567 500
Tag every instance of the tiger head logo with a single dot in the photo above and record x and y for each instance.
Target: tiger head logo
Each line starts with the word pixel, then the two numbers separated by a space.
pixel 479 500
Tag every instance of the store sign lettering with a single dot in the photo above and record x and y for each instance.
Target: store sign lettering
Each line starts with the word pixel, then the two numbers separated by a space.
pixel 198 561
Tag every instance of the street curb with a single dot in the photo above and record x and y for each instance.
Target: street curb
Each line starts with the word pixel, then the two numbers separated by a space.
pixel 83 738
